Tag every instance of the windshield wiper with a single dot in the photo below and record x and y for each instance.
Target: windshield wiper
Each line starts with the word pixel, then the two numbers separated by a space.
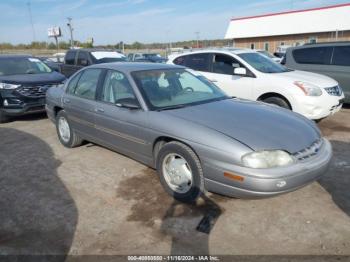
pixel 171 107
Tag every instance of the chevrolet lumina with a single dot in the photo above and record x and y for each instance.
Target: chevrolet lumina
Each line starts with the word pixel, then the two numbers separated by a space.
pixel 196 136
pixel 250 75
pixel 23 84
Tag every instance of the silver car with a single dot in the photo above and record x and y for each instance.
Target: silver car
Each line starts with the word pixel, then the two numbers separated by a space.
pixel 197 137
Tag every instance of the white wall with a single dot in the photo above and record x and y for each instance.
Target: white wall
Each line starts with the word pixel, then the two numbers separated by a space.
pixel 323 20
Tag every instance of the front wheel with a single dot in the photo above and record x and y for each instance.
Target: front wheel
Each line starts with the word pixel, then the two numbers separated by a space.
pixel 66 134
pixel 278 101
pixel 180 171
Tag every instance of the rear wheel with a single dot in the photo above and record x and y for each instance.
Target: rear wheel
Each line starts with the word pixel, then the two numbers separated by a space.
pixel 3 117
pixel 278 101
pixel 66 134
pixel 180 171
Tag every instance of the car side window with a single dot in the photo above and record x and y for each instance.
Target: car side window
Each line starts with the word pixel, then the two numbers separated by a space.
pixel 224 64
pixel 313 55
pixel 70 57
pixel 116 88
pixel 73 83
pixel 341 56
pixel 180 60
pixel 83 59
pixel 87 84
pixel 199 62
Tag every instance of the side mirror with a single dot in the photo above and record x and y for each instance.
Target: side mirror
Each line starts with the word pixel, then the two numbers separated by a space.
pixel 240 71
pixel 129 103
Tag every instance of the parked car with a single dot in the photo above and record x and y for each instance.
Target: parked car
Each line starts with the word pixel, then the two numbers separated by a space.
pixel 267 54
pixel 146 57
pixel 331 59
pixel 247 74
pixel 23 84
pixel 76 59
pixel 196 136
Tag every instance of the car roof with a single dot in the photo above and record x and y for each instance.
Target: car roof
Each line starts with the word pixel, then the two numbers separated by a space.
pixel 128 67
pixel 339 43
pixel 232 50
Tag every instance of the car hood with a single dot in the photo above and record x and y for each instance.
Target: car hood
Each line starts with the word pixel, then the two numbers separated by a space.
pixel 315 79
pixel 257 125
pixel 45 78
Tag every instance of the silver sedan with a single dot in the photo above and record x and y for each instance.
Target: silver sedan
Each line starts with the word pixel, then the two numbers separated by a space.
pixel 197 137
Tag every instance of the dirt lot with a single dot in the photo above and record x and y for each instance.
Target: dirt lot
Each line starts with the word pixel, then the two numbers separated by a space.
pixel 90 200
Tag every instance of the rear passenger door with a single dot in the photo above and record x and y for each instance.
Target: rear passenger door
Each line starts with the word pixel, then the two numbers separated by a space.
pixel 80 101
pixel 119 127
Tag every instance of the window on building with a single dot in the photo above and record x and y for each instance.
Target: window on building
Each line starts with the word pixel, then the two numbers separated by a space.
pixel 313 40
pixel 252 46
pixel 266 46
pixel 313 55
pixel 341 56
pixel 282 43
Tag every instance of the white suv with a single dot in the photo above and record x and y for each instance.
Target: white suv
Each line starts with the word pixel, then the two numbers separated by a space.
pixel 250 75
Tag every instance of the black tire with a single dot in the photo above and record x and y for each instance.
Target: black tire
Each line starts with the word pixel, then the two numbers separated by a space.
pixel 278 101
pixel 3 117
pixel 197 186
pixel 74 140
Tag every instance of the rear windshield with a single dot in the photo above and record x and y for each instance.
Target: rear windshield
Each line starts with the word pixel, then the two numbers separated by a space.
pixel 22 65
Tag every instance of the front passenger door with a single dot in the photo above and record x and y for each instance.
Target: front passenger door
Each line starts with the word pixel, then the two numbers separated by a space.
pixel 121 128
pixel 222 75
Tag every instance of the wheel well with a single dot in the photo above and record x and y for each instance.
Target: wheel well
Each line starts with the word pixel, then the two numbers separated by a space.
pixel 267 95
pixel 57 109
pixel 162 140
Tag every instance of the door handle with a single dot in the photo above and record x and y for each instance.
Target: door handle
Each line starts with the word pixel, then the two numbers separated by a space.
pixel 99 110
pixel 66 101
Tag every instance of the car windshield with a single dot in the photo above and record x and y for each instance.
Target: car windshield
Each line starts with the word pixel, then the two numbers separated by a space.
pixel 262 63
pixel 108 57
pixel 22 65
pixel 175 88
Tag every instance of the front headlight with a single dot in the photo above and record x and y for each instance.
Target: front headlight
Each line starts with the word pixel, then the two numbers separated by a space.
pixel 308 89
pixel 267 159
pixel 8 86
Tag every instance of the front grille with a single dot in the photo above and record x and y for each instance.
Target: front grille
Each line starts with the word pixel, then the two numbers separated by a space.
pixel 37 91
pixel 334 91
pixel 310 151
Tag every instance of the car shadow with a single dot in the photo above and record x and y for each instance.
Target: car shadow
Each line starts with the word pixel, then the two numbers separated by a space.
pixel 30 117
pixel 337 180
pixel 38 215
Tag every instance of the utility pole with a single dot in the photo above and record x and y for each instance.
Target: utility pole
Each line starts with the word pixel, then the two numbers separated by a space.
pixel 31 19
pixel 197 34
pixel 69 24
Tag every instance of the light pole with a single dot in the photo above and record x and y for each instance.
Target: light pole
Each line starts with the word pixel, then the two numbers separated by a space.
pixel 69 24
pixel 197 34
pixel 31 19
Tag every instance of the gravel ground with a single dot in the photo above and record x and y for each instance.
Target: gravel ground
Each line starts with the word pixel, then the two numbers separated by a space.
pixel 92 201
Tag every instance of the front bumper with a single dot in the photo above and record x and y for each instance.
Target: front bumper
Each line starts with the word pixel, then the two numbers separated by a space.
pixel 16 105
pixel 318 107
pixel 266 182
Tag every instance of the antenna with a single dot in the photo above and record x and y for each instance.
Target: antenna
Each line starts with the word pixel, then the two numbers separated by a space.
pixel 31 19
pixel 197 34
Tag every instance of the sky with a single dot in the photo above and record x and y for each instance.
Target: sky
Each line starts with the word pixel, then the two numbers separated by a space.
pixel 147 21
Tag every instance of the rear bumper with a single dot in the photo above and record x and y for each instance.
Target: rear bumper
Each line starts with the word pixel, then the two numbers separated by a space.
pixel 259 183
